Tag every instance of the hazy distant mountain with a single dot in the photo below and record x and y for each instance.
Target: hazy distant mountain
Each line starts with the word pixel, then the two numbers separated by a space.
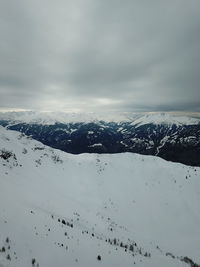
pixel 175 138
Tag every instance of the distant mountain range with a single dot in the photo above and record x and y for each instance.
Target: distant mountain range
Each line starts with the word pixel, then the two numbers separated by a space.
pixel 174 138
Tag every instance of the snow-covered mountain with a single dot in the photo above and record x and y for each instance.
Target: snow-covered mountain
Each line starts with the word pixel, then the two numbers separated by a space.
pixel 166 119
pixel 59 209
pixel 175 138
pixel 49 118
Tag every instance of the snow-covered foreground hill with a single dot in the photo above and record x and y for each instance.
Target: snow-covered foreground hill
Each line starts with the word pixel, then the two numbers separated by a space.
pixel 58 209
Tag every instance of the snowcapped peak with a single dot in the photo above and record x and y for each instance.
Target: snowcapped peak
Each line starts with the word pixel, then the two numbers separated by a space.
pixel 165 118
pixel 49 118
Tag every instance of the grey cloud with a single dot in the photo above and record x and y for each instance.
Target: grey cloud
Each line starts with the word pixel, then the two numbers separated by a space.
pixel 135 55
pixel 173 107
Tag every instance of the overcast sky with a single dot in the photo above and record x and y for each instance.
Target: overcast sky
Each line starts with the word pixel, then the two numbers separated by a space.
pixel 94 55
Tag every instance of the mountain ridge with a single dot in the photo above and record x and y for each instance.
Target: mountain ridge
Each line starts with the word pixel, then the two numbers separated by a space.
pixel 63 117
pixel 176 142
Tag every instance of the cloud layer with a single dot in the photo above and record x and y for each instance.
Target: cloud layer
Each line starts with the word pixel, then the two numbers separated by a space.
pixel 89 55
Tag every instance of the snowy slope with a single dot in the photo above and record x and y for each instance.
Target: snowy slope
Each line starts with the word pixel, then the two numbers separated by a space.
pixel 65 210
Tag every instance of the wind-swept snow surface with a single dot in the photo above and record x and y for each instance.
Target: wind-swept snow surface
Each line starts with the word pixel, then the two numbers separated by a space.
pixel 58 209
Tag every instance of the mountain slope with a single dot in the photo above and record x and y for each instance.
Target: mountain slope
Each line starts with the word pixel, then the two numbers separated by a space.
pixel 175 138
pixel 59 209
